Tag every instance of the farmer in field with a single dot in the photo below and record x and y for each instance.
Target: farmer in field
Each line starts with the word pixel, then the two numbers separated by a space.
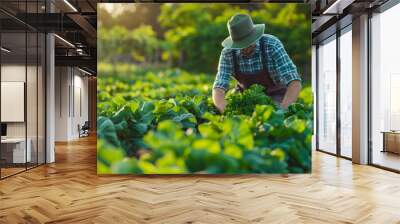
pixel 252 57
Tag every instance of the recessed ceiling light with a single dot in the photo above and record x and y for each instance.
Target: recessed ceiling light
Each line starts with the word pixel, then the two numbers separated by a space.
pixel 70 5
pixel 5 50
pixel 338 6
pixel 65 41
pixel 84 71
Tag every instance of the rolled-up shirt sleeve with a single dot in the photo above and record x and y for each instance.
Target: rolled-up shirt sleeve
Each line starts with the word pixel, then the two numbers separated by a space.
pixel 225 69
pixel 285 70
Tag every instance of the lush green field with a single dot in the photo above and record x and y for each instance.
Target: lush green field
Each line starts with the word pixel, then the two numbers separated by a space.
pixel 165 123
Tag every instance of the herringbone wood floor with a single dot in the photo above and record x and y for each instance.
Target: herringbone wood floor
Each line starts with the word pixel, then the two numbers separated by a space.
pixel 69 191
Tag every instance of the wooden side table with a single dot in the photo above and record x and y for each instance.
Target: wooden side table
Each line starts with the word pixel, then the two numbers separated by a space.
pixel 391 141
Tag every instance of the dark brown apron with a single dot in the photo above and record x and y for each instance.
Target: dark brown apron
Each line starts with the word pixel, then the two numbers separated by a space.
pixel 245 80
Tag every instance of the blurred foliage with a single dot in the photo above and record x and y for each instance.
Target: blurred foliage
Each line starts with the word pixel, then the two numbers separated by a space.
pixel 189 36
pixel 117 44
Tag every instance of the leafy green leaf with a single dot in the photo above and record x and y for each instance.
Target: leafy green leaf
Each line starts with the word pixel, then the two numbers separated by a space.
pixel 106 130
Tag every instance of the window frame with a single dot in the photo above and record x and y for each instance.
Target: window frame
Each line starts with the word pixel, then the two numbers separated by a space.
pixel 381 9
pixel 346 26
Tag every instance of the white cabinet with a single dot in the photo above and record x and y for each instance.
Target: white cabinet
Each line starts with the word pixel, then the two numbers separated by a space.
pixel 18 149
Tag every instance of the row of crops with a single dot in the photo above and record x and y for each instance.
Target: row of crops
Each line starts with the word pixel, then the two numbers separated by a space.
pixel 164 122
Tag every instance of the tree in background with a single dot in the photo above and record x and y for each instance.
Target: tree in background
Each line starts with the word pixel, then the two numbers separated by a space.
pixel 196 31
pixel 120 44
pixel 292 25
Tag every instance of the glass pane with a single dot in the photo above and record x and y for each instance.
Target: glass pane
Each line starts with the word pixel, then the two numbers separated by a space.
pixel 41 99
pixel 327 96
pixel 346 94
pixel 31 97
pixel 23 85
pixel 386 89
pixel 32 88
pixel 13 86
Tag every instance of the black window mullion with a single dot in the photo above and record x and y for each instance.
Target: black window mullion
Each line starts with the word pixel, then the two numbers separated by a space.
pixel 0 95
pixel 44 71
pixel 37 90
pixel 26 87
pixel 369 90
pixel 45 95
pixel 73 92
pixel 338 76
pixel 316 97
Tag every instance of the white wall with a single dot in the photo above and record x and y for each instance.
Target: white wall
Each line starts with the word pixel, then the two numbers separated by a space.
pixel 80 100
pixel 62 81
pixel 70 83
pixel 13 101
pixel 12 73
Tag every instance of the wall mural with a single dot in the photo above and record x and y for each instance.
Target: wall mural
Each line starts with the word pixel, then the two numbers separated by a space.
pixel 204 88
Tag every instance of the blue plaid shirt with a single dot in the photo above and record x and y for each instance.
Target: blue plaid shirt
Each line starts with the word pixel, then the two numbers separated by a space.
pixel 281 68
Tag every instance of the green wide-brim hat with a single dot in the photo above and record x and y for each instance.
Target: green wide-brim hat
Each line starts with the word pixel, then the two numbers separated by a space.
pixel 242 32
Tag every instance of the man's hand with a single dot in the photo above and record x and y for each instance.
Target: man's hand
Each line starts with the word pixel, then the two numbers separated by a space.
pixel 218 95
pixel 291 94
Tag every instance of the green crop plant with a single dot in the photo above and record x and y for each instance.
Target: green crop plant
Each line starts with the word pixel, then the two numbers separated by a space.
pixel 165 123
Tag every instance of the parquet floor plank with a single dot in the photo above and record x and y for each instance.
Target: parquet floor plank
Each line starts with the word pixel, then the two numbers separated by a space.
pixel 70 191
